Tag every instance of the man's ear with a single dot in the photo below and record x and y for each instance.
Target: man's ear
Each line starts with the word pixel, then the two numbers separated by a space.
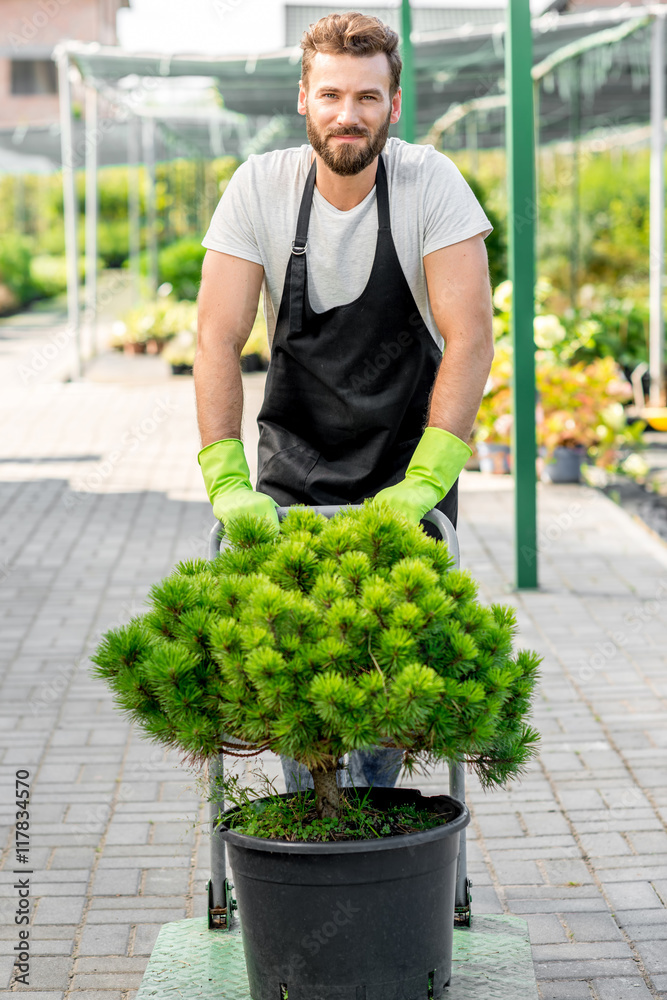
pixel 395 107
pixel 301 102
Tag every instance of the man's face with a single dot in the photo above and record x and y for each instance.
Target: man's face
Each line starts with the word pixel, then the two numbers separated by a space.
pixel 348 109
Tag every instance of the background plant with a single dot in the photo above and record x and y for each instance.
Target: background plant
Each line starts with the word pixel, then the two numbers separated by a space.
pixel 330 637
pixel 581 405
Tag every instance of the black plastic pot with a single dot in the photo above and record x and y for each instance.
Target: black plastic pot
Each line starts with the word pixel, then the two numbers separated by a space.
pixel 353 920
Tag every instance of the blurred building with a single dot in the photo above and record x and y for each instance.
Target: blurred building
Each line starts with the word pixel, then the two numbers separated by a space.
pixel 579 6
pixel 28 79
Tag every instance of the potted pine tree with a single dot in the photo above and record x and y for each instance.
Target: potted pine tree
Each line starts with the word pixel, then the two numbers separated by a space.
pixel 334 636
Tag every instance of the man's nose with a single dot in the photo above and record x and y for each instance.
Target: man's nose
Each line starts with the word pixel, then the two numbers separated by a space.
pixel 347 112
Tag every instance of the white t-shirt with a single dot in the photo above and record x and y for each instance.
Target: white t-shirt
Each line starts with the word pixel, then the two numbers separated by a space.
pixel 430 203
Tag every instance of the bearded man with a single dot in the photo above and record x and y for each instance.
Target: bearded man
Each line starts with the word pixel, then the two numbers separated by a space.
pixel 370 253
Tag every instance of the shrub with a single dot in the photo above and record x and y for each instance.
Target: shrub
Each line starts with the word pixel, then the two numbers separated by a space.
pixel 180 264
pixel 332 636
pixel 15 272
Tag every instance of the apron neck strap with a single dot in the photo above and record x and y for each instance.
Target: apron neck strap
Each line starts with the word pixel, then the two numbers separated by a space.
pixel 300 241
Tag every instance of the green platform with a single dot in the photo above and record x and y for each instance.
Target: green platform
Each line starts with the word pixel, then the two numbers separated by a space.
pixel 491 959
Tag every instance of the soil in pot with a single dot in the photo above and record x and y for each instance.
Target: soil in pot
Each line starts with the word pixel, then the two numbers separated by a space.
pixel 344 920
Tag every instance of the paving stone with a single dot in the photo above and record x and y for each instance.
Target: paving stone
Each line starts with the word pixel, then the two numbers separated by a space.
pixel 597 845
pixel 611 989
pixel 570 871
pixel 635 896
pixel 59 910
pixel 653 842
pixel 593 927
pixel 98 995
pixel 654 955
pixel 42 995
pixel 132 914
pixel 51 947
pixel 73 857
pixel 518 872
pixel 146 936
pixel 585 969
pixel 574 950
pixel 50 973
pixel 104 939
pixel 119 881
pixel 545 928
pixel 565 991
pixel 168 883
pixel 128 833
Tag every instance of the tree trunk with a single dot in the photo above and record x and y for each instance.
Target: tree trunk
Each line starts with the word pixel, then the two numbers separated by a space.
pixel 327 795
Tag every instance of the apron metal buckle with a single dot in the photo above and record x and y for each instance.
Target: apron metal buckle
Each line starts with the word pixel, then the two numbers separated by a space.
pixel 299 250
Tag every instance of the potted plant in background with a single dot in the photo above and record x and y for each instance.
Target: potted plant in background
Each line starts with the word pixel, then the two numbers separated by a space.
pixel 148 327
pixel 493 424
pixel 330 637
pixel 181 349
pixel 580 413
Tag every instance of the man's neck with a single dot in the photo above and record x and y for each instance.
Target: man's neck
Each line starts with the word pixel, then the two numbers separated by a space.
pixel 344 193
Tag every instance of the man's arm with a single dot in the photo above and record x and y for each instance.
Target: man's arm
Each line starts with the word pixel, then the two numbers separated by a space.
pixel 459 291
pixel 227 306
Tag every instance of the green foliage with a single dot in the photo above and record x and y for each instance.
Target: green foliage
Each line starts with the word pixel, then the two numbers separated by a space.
pixel 163 319
pixel 333 636
pixel 180 264
pixel 15 271
pixel 295 819
pixel 496 241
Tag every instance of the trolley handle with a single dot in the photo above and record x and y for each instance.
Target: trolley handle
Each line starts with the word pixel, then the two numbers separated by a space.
pixel 445 528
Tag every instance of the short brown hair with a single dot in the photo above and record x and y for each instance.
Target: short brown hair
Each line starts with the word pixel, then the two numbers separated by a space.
pixel 352 34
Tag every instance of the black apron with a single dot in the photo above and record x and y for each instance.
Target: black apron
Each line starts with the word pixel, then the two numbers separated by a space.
pixel 347 390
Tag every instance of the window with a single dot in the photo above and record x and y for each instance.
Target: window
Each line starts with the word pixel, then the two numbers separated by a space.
pixel 34 76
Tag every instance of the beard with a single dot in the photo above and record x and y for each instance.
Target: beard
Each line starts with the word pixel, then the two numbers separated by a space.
pixel 345 158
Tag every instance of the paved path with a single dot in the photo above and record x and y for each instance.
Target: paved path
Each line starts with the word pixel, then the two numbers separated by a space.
pixel 99 495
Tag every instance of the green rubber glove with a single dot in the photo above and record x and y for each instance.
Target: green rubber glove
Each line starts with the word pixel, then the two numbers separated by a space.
pixel 227 478
pixel 433 470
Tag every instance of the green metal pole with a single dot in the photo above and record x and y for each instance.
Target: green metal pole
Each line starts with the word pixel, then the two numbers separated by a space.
pixel 408 91
pixel 521 232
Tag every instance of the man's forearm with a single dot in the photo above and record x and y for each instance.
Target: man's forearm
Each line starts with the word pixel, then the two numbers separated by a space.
pixel 219 392
pixel 459 386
